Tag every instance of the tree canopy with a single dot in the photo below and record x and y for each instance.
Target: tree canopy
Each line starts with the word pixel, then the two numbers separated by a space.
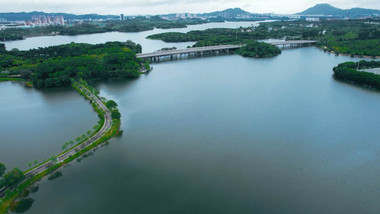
pixel 258 50
pixel 2 169
pixel 111 104
pixel 348 72
pixel 55 66
pixel 13 177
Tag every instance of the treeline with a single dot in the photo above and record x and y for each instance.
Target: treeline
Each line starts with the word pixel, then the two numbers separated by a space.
pixel 131 25
pixel 221 35
pixel 258 50
pixel 352 37
pixel 55 66
pixel 349 72
pixel 11 178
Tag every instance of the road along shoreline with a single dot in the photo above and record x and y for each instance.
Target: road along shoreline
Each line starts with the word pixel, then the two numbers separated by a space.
pixel 109 129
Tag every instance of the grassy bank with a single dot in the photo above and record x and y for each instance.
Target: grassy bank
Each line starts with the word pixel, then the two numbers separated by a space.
pixel 10 79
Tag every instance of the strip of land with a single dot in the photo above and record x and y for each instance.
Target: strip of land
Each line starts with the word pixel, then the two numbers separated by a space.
pixel 7 194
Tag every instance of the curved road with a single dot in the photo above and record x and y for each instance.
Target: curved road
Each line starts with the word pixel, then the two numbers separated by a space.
pixel 106 126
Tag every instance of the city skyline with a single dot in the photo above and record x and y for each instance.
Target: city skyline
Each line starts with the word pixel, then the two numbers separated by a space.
pixel 156 7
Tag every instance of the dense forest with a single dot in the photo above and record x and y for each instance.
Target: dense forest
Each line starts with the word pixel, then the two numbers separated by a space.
pixel 131 25
pixel 258 50
pixel 352 37
pixel 350 72
pixel 56 65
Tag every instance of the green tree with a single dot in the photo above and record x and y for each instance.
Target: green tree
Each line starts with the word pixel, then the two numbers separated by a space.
pixel 89 133
pixel 2 169
pixel 115 114
pixel 13 177
pixel 64 146
pixel 78 139
pixel 53 158
pixel 2 48
pixel 111 104
pixel 95 127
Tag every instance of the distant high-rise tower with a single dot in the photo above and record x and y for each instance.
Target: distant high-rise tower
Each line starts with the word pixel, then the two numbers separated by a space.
pixel 122 17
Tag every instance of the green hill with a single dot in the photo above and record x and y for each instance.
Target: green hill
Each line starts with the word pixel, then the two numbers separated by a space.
pixel 328 10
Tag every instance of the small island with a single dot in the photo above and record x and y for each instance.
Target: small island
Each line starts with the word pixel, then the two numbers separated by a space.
pixel 358 74
pixel 258 50
pixel 56 66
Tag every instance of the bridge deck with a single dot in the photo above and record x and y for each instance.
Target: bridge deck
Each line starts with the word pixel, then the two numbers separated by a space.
pixel 216 48
pixel 188 50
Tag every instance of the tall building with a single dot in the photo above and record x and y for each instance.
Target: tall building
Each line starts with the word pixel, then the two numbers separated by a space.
pixel 122 17
pixel 43 20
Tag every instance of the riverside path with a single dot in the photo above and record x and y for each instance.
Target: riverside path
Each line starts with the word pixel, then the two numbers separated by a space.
pixel 60 158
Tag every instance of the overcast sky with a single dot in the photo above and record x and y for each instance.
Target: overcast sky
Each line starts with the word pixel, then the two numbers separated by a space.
pixel 138 7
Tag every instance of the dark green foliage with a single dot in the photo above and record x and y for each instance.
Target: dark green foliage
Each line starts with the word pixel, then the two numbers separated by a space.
pixel 22 205
pixel 111 104
pixel 13 177
pixel 259 50
pixel 353 37
pixel 115 114
pixel 212 36
pixel 55 66
pixel 2 48
pixel 147 66
pixel 7 35
pixel 2 169
pixel 348 72
pixel 310 33
pixel 135 25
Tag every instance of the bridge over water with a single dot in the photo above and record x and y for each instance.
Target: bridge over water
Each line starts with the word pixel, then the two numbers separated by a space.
pixel 217 49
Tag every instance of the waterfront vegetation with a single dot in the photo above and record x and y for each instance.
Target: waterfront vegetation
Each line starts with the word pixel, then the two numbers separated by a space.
pixel 16 197
pixel 55 66
pixel 130 25
pixel 351 37
pixel 74 63
pixel 350 72
pixel 258 50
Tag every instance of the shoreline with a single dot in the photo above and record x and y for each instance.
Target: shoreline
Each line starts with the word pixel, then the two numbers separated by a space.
pixel 349 55
pixel 109 129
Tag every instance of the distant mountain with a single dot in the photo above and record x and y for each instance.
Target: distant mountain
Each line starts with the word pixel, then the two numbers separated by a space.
pixel 328 10
pixel 228 13
pixel 27 16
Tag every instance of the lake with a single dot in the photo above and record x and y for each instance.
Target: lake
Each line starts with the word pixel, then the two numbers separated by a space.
pixel 223 134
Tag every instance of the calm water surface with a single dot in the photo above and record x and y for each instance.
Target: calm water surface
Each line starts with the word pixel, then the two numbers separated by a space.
pixel 231 135
pixel 140 37
pixel 35 124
